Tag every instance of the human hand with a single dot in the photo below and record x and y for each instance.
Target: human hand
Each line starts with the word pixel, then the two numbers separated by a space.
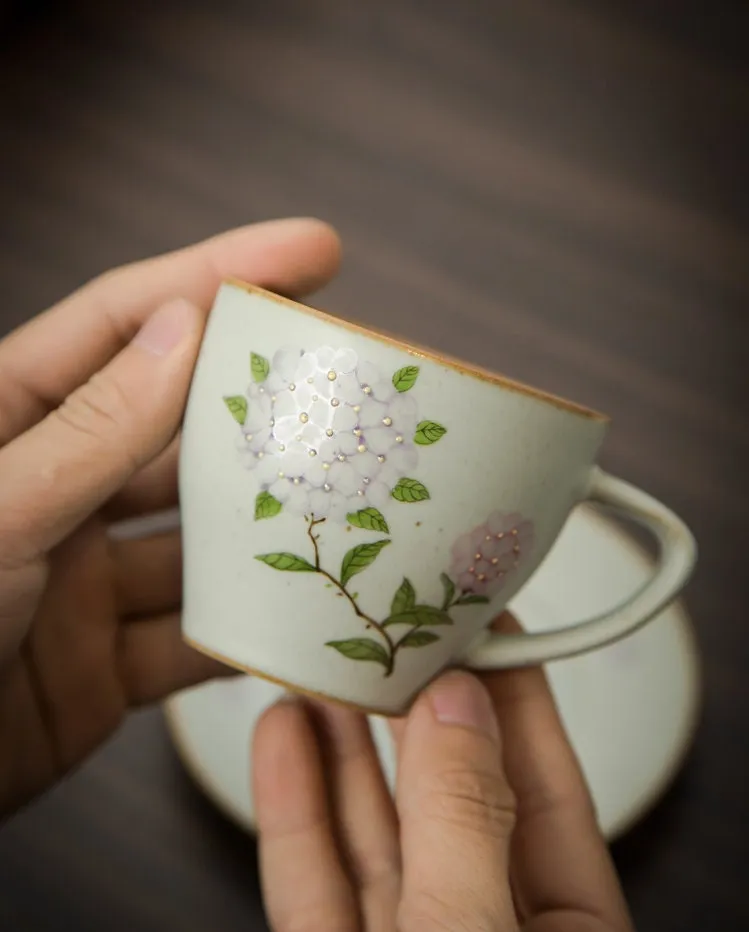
pixel 91 398
pixel 492 828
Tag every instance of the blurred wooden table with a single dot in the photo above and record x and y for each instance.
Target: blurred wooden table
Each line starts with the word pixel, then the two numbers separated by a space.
pixel 553 188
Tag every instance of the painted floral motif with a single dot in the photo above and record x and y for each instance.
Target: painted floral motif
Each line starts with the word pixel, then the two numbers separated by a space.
pixel 483 558
pixel 327 435
pixel 330 438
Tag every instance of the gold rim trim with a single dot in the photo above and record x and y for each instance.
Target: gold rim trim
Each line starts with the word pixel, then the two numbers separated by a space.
pixel 422 352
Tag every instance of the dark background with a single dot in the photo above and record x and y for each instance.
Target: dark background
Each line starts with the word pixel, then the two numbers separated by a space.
pixel 553 188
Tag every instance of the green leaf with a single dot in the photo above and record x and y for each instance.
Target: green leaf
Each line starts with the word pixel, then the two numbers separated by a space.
pixel 260 367
pixel 419 615
pixel 429 432
pixel 361 649
pixel 410 490
pixel 266 506
pixel 237 405
pixel 449 587
pixel 369 519
pixel 404 598
pixel 419 639
pixel 288 562
pixel 471 599
pixel 405 378
pixel 359 558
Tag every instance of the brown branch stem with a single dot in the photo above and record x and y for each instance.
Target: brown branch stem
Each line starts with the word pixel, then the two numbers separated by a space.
pixel 399 643
pixel 371 622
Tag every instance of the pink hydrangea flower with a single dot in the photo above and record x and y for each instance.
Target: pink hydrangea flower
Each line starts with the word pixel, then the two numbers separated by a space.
pixel 483 558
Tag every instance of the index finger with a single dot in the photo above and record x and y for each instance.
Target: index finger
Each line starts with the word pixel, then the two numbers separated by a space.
pixel 560 859
pixel 85 330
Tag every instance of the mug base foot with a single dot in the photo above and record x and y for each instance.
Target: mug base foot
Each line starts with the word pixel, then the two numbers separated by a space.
pixel 300 690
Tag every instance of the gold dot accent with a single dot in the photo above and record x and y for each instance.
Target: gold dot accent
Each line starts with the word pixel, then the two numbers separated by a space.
pixel 261 390
pixel 362 448
pixel 329 432
pixel 516 549
pixel 298 437
pixel 380 459
pixel 296 480
pixel 281 447
pixel 315 397
pixel 281 474
pixel 471 569
pixel 477 556
pixel 366 480
pixel 326 465
pixel 331 376
pixel 481 577
pixel 304 417
pixel 514 532
pixel 488 537
pixel 367 389
pixel 327 487
pixel 334 402
pixel 273 398
pixel 495 561
pixel 341 458
pixel 387 421
pixel 310 380
pixel 500 535
pixel 248 436
pixel 399 439
pixel 313 452
pixel 292 387
pixel 357 408
pixel 360 492
pixel 357 432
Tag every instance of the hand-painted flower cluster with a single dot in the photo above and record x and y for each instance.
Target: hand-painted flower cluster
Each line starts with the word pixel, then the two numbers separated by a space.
pixel 330 438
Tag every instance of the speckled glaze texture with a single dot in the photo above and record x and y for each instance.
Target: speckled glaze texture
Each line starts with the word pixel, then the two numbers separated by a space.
pixel 354 512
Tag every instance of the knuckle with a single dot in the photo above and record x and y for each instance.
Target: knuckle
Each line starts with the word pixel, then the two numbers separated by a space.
pixel 378 871
pixel 475 800
pixel 109 281
pixel 572 797
pixel 425 911
pixel 97 409
pixel 315 918
pixel 104 289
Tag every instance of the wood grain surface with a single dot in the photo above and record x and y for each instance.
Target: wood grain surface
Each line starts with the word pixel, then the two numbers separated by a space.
pixel 552 188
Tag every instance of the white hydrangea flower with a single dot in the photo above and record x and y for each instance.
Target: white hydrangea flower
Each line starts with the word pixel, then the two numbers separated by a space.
pixel 327 435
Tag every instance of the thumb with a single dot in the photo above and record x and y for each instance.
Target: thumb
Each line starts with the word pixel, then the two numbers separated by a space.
pixel 56 474
pixel 456 810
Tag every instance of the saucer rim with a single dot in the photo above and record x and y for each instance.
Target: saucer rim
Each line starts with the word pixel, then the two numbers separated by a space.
pixel 639 807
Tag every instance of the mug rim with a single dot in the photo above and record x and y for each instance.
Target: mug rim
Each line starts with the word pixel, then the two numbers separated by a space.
pixel 460 366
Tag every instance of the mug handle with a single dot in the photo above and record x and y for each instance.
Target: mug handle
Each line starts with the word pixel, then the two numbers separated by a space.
pixel 676 559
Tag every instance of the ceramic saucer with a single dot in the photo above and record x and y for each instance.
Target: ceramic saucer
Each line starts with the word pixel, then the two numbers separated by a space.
pixel 630 708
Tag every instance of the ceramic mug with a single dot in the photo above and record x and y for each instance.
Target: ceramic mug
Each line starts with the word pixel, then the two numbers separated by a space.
pixel 356 511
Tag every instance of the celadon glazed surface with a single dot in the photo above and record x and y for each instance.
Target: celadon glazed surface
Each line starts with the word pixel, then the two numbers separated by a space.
pixel 354 511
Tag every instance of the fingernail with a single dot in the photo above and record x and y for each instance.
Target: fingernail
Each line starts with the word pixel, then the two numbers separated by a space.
pixel 459 699
pixel 289 698
pixel 166 327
